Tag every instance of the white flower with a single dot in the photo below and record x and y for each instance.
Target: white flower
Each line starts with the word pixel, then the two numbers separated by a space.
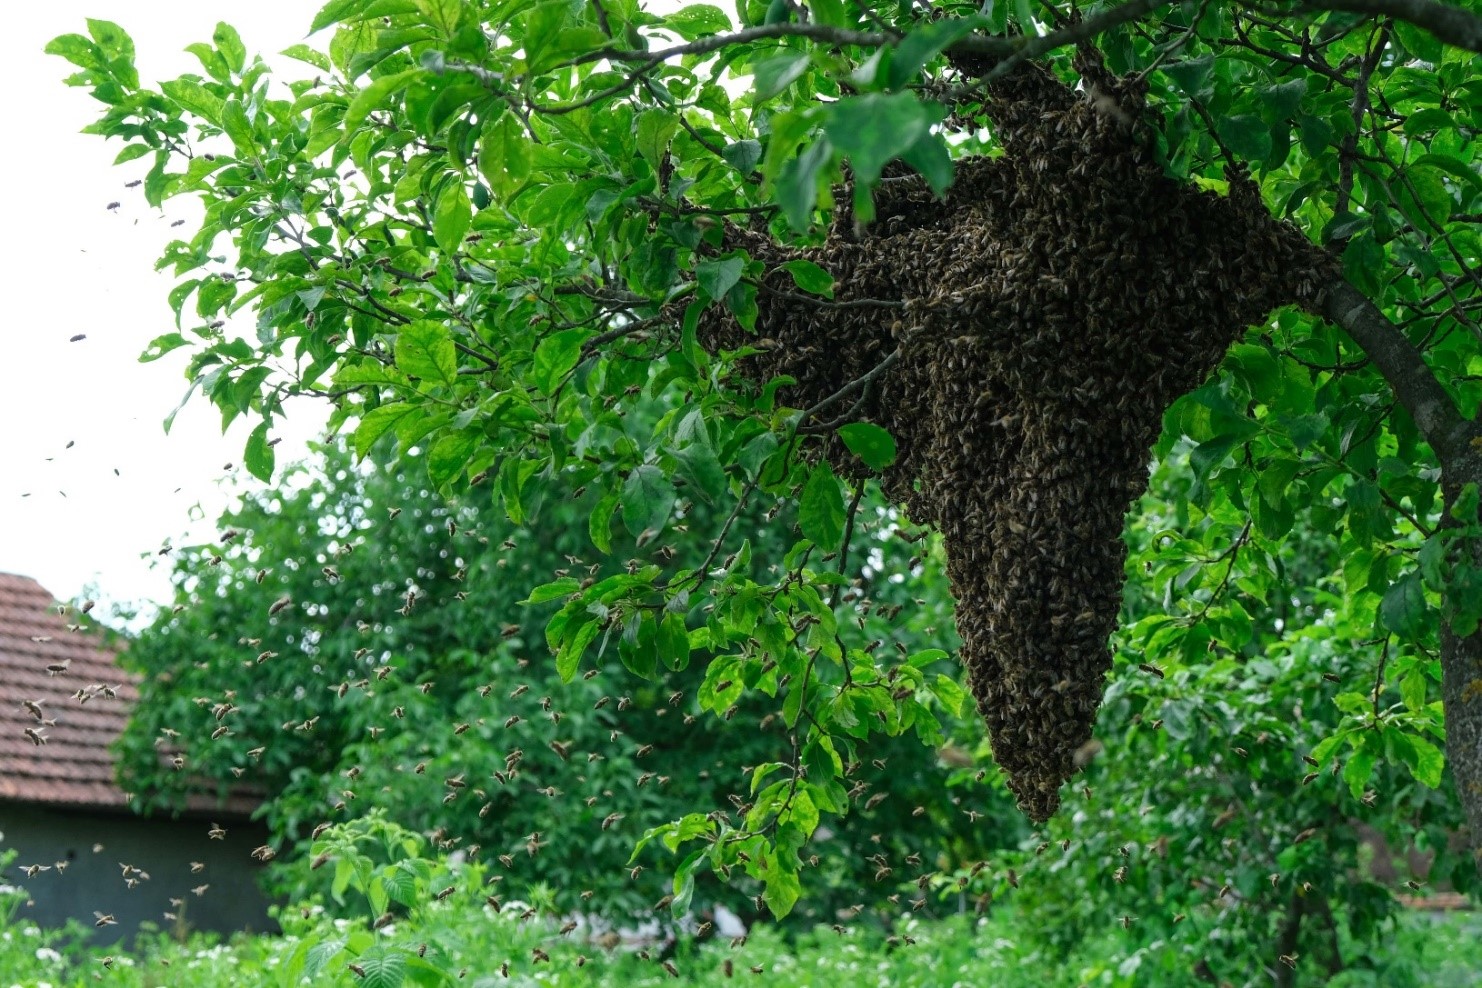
pixel 47 954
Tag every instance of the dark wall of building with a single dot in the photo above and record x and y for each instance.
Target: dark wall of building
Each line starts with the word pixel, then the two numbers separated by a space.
pixel 163 848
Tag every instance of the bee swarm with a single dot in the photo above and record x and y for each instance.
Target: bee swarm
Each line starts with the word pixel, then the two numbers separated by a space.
pixel 1055 304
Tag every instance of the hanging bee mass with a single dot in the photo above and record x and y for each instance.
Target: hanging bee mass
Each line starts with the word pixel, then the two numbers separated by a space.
pixel 1055 303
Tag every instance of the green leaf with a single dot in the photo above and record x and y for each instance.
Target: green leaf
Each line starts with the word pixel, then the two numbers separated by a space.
pixel 821 509
pixel 132 151
pixel 673 642
pixel 334 12
pixel 372 97
pixel 377 422
pixel 1427 121
pixel 450 455
pixel 1424 197
pixel 930 157
pixel 810 277
pixel 870 443
pixel 555 357
pixel 654 129
pixel 639 657
pixel 951 693
pixel 1403 609
pixel 1451 166
pixel 313 56
pixel 1327 746
pixel 1358 769
pixel 113 41
pixel 797 184
pixel 77 49
pixel 694 20
pixel 320 954
pixel 259 455
pixel 1280 102
pixel 1344 225
pixel 1413 689
pixel 924 44
pixel 829 12
pixel 599 523
pixel 743 155
pixel 424 349
pixel 504 157
pixel 1193 76
pixel 1317 133
pixel 194 98
pixel 647 499
pixel 568 659
pixel 384 967
pixel 229 43
pixel 555 590
pixel 775 74
pixel 782 891
pixel 702 470
pixel 1428 763
pixel 234 121
pixel 874 128
pixel 161 345
pixel 717 277
pixel 1419 42
pixel 1246 135
pixel 452 216
pixel 211 60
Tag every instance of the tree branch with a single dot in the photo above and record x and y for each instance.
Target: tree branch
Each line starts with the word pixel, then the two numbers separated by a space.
pixel 1435 414
pixel 1025 48
pixel 715 42
pixel 1451 25
pixel 992 49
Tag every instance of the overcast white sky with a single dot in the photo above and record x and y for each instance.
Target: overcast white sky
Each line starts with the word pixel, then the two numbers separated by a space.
pixel 68 266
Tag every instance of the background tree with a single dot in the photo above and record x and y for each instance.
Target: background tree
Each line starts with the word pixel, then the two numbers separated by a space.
pixel 398 673
pixel 1213 823
pixel 491 230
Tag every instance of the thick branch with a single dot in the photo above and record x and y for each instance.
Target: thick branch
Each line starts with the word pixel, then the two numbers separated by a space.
pixel 715 42
pixel 1450 24
pixel 982 47
pixel 1435 414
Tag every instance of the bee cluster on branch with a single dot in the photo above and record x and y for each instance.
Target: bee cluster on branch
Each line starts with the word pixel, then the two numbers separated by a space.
pixel 1041 319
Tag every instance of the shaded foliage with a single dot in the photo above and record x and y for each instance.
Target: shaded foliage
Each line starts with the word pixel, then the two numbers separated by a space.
pixel 348 697
pixel 492 233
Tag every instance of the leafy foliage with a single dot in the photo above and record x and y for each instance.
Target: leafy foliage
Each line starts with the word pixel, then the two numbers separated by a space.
pixel 487 232
pixel 341 702
pixel 433 938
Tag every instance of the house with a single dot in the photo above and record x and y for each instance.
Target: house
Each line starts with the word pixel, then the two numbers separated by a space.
pixel 80 851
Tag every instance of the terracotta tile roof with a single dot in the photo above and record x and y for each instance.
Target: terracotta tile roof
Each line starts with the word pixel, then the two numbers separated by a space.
pixel 45 664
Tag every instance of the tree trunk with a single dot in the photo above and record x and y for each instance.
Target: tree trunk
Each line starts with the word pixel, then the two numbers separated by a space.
pixel 1457 442
pixel 1333 962
pixel 1286 942
pixel 1461 671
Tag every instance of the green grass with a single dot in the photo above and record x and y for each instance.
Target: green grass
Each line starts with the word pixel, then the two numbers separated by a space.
pixel 1431 951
